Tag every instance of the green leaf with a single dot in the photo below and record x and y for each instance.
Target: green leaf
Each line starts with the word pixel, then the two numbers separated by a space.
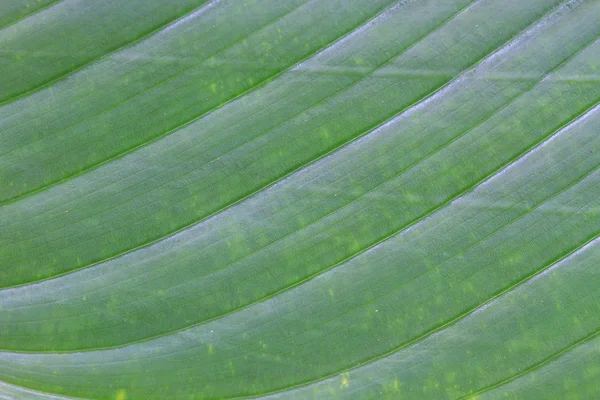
pixel 299 199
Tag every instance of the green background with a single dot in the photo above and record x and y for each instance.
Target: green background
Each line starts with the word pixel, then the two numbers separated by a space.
pixel 299 199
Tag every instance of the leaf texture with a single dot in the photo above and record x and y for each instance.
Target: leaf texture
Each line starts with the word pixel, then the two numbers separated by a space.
pixel 299 199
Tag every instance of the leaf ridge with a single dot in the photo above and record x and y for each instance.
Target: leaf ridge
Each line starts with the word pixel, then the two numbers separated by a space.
pixel 95 59
pixel 532 149
pixel 447 325
pixel 31 14
pixel 395 233
pixel 548 359
pixel 309 163
pixel 219 106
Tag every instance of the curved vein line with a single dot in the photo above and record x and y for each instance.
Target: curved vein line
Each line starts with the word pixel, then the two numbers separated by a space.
pixel 144 36
pixel 390 59
pixel 435 330
pixel 253 88
pixel 296 115
pixel 271 183
pixel 561 258
pixel 540 272
pixel 401 173
pixel 173 77
pixel 478 308
pixel 555 356
pixel 305 165
pixel 517 158
pixel 558 261
pixel 36 391
pixel 535 366
pixel 465 192
pixel 31 14
pixel 338 265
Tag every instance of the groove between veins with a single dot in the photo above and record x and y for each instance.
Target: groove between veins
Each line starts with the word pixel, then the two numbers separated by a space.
pixel 302 167
pixel 24 17
pixel 445 325
pixel 219 106
pixel 438 208
pixel 102 56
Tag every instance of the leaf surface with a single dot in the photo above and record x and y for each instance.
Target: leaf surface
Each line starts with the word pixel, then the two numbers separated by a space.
pixel 299 199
